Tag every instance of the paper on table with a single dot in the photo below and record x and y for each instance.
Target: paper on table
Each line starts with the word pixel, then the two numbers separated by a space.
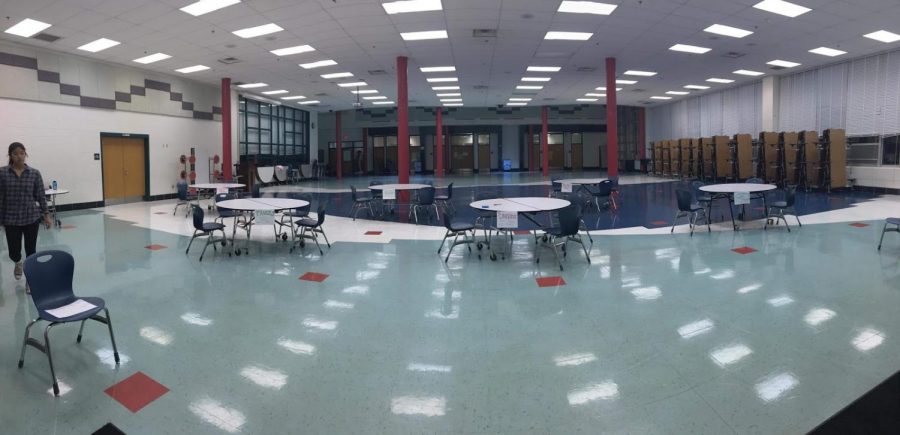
pixel 567 187
pixel 389 194
pixel 220 189
pixel 77 307
pixel 741 198
pixel 264 217
pixel 507 219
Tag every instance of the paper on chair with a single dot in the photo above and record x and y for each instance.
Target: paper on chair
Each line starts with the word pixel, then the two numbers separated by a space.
pixel 77 307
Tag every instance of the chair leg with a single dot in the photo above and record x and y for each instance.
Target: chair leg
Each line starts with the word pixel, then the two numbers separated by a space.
pixel 586 255
pixel 112 337
pixel 50 358
pixel 28 332
pixel 880 241
pixel 322 232
pixel 675 221
pixel 316 239
pixel 450 249
pixel 80 330
pixel 558 259
pixel 208 238
pixel 191 242
pixel 692 220
pixel 447 234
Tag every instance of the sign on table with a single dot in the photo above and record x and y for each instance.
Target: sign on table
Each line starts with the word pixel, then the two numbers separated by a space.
pixel 567 187
pixel 389 194
pixel 507 219
pixel 220 189
pixel 741 198
pixel 264 217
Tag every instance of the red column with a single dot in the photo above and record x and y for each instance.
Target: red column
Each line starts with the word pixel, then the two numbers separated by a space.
pixel 226 129
pixel 642 137
pixel 439 144
pixel 545 156
pixel 530 149
pixel 612 119
pixel 338 151
pixel 402 122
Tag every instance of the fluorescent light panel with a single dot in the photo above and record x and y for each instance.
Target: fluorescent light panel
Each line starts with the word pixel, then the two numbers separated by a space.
pixel 318 64
pixel 569 36
pixel 190 69
pixel 883 36
pixel 152 58
pixel 625 82
pixel 453 104
pixel 700 87
pixel 747 72
pixel 633 72
pixel 825 51
pixel 429 69
pixel 520 99
pixel 365 91
pixel 451 100
pixel 718 80
pixel 278 92
pixel 677 93
pixel 586 100
pixel 383 102
pixel 529 87
pixel 734 32
pixel 657 97
pixel 603 88
pixel 99 45
pixel 337 75
pixel 442 79
pixel 582 7
pixel 591 94
pixel 27 28
pixel 402 7
pixel 206 6
pixel 377 97
pixel 293 97
pixel 451 94
pixel 292 50
pixel 781 7
pixel 352 84
pixel 544 68
pixel 445 88
pixel 252 85
pixel 516 104
pixel 309 102
pixel 252 32
pixel 421 36
pixel 782 63
pixel 535 79
pixel 689 48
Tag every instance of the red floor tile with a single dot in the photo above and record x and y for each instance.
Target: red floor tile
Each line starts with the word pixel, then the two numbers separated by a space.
pixel 313 276
pixel 550 281
pixel 859 225
pixel 373 233
pixel 68 227
pixel 744 250
pixel 155 247
pixel 659 223
pixel 137 391
pixel 521 232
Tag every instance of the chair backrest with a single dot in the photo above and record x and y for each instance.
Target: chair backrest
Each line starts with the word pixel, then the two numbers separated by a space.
pixel 254 192
pixel 614 180
pixel 320 215
pixel 685 198
pixel 49 274
pixel 303 211
pixel 569 219
pixel 754 180
pixel 353 195
pixel 182 187
pixel 426 196
pixel 198 216
pixel 450 191
pixel 448 216
pixel 604 188
pixel 224 197
pixel 554 186
pixel 790 194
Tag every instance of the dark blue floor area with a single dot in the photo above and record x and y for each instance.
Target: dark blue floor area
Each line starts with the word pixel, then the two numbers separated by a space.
pixel 650 205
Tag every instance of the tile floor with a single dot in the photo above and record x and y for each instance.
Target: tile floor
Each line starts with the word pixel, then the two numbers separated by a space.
pixel 659 334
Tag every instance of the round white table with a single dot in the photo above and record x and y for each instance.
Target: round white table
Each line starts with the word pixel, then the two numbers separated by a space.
pixel 214 187
pixel 255 205
pixel 728 190
pixel 526 205
pixel 580 181
pixel 52 194
pixel 395 187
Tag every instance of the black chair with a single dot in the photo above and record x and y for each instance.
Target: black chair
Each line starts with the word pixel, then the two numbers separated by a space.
pixel 569 219
pixel 310 229
pixel 577 198
pixel 555 188
pixel 286 217
pixel 185 198
pixel 758 195
pixel 604 192
pixel 359 203
pixel 889 221
pixel 424 200
pixel 455 228
pixel 238 217
pixel 377 196
pixel 50 273
pixel 445 201
pixel 614 187
pixel 782 207
pixel 205 229
pixel 687 207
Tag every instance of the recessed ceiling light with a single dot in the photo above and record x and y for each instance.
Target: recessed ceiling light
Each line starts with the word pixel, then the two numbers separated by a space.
pixel 191 69
pixel 543 68
pixel 292 50
pixel 529 87
pixel 677 93
pixel 252 85
pixel 402 7
pixel 383 102
pixel 520 99
pixel 592 94
pixel 309 102
pixel 453 104
pixel 782 63
pixel 337 75
pixel 419 36
pixel 718 80
pixel 442 79
pixel 99 45
pixel 206 6
pixel 377 97
pixel 657 97
pixel 569 36
pixel 365 91
pixel 352 84
pixel 318 64
pixel 27 27
pixel 429 69
pixel 700 87
pixel 747 72
pixel 603 88
pixel 625 82
pixel 535 79
pixel 883 36
pixel 633 72
pixel 689 48
pixel 733 32
pixel 152 58
pixel 278 92
pixel 445 88
pixel 516 104
pixel 294 97
pixel 451 94
pixel 582 7
pixel 825 51
pixel 781 7
pixel 252 32
pixel 451 100
pixel 587 100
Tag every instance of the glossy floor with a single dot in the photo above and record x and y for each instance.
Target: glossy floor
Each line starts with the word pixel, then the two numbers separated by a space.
pixel 658 334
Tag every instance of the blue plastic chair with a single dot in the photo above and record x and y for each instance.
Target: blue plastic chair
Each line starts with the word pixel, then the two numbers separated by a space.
pixel 49 274
pixel 567 231
pixel 184 197
pixel 205 229
pixel 896 228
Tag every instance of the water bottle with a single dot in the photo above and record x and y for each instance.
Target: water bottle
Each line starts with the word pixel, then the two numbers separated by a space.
pixel 53 185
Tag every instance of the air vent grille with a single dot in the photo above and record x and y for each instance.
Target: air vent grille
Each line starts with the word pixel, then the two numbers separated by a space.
pixel 47 37
pixel 776 68
pixel 484 33
pixel 321 94
pixel 586 69
pixel 229 60
pixel 377 72
pixel 733 55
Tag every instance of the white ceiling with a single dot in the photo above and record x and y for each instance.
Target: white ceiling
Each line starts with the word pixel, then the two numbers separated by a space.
pixel 361 37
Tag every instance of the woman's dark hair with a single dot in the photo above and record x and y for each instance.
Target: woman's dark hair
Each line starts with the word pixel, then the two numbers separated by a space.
pixel 13 147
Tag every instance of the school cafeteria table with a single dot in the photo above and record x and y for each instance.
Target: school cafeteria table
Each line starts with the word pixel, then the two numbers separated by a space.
pixel 527 206
pixel 394 188
pixel 256 206
pixel 734 192
pixel 52 194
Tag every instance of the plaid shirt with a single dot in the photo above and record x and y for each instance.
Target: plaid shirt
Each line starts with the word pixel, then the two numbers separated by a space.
pixel 22 199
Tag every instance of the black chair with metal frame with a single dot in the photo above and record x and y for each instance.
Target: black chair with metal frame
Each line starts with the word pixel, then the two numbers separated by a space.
pixel 569 219
pixel 446 201
pixel 205 229
pixel 687 207
pixel 456 228
pixel 484 217
pixel 604 191
pixel 184 198
pixel 889 221
pixel 758 195
pixel 310 229
pixel 784 206
pixel 359 203
pixel 286 217
pixel 424 200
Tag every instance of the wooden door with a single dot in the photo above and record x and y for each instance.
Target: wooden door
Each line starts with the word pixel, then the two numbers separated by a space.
pixel 135 182
pixel 484 158
pixel 378 160
pixel 113 173
pixel 124 174
pixel 557 156
pixel 347 161
pixel 577 157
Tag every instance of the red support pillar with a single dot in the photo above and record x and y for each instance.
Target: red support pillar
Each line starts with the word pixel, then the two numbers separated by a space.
pixel 439 143
pixel 530 150
pixel 226 129
pixel 545 156
pixel 402 121
pixel 642 137
pixel 338 150
pixel 612 119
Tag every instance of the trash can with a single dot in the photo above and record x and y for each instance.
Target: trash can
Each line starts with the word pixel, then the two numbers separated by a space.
pixel 507 165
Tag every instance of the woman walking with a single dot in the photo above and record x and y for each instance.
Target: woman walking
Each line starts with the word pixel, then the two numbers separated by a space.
pixel 22 205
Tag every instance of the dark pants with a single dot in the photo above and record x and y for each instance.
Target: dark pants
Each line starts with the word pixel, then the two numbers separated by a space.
pixel 14 235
